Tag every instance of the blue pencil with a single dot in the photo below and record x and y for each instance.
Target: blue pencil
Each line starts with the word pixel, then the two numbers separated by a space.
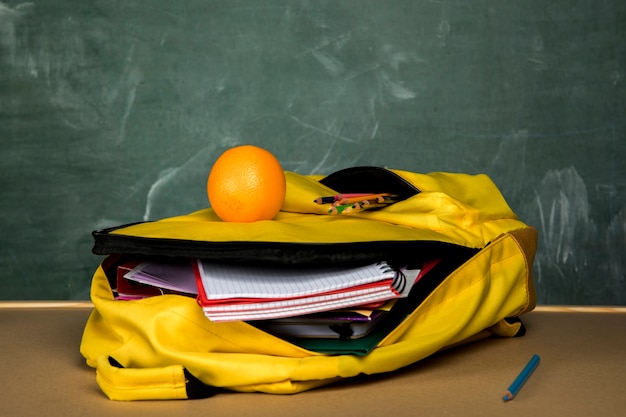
pixel 521 378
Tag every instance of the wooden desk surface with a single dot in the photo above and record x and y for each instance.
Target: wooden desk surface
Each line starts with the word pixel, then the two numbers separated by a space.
pixel 582 373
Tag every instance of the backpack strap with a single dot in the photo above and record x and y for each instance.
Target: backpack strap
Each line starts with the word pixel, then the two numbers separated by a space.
pixel 129 384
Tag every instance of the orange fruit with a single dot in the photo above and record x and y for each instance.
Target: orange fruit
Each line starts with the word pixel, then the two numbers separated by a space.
pixel 246 184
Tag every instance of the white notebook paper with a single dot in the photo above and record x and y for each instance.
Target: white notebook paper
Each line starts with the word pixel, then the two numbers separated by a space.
pixel 226 281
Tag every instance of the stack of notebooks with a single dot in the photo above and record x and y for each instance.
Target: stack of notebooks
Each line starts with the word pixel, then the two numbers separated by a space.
pixel 235 292
pixel 322 309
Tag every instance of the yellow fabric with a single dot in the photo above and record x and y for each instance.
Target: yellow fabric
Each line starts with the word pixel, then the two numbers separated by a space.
pixel 145 384
pixel 160 335
pixel 467 210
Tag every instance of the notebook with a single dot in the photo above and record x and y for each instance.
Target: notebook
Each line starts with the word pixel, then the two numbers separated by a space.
pixel 337 324
pixel 230 292
pixel 137 280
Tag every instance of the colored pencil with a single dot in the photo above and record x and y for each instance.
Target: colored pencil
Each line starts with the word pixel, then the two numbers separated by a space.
pixel 521 378
pixel 338 209
pixel 369 197
pixel 325 200
pixel 349 202
pixel 337 198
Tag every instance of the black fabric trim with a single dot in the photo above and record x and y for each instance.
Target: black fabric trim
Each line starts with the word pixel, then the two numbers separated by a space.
pixel 286 253
pixel 369 179
pixel 197 389
pixel 115 363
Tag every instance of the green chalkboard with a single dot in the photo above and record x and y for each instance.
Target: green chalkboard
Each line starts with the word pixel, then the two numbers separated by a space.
pixel 114 111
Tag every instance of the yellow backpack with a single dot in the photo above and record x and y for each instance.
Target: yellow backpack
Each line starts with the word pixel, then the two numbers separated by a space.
pixel 164 347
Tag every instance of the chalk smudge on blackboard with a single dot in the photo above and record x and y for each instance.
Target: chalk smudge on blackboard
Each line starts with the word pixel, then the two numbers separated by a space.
pixel 395 88
pixel 329 130
pixel 443 31
pixel 331 64
pixel 128 83
pixel 164 197
pixel 562 212
pixel 9 18
pixel 68 63
pixel 165 177
pixel 565 269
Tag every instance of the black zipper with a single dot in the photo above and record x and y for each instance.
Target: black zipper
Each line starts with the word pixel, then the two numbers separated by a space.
pixel 286 253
